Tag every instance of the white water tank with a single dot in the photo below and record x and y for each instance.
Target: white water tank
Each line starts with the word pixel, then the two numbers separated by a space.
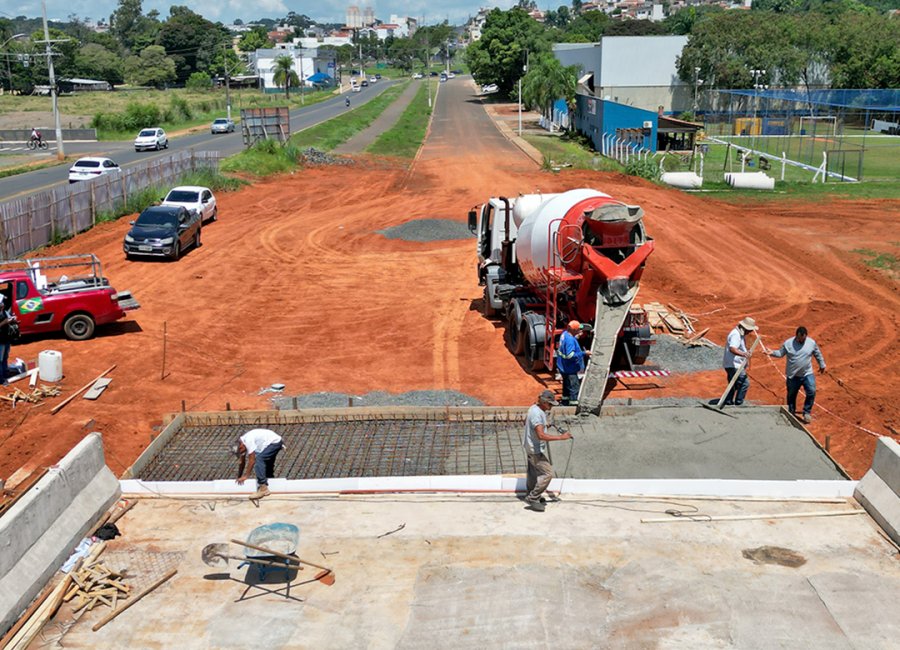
pixel 50 365
pixel 537 230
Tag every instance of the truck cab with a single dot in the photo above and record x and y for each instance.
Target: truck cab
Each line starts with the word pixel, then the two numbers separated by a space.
pixel 68 294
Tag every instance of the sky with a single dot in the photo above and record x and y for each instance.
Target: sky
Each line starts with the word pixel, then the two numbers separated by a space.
pixel 226 11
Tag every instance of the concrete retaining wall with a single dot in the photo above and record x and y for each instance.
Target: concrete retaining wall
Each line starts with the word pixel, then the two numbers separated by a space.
pixel 42 529
pixel 879 489
pixel 49 134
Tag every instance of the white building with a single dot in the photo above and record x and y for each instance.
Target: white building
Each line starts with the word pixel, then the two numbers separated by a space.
pixel 309 42
pixel 406 26
pixel 476 24
pixel 306 63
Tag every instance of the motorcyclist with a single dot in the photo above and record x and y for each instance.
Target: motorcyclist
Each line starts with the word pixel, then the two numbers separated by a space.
pixel 347 102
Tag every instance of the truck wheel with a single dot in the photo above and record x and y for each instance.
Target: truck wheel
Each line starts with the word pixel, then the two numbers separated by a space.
pixel 489 312
pixel 534 350
pixel 79 327
pixel 176 252
pixel 513 334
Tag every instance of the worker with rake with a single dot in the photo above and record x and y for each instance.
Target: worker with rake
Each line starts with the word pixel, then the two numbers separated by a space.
pixel 799 350
pixel 540 471
pixel 257 449
pixel 736 360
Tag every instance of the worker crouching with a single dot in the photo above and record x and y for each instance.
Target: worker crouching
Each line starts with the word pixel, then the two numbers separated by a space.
pixel 257 449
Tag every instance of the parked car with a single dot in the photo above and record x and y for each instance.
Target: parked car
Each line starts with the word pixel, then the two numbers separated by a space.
pixel 222 125
pixel 162 231
pixel 84 169
pixel 377 76
pixel 196 199
pixel 68 293
pixel 456 71
pixel 443 77
pixel 432 74
pixel 451 75
pixel 418 75
pixel 151 139
pixel 489 88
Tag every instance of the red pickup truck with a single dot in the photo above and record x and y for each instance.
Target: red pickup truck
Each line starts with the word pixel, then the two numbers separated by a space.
pixel 67 293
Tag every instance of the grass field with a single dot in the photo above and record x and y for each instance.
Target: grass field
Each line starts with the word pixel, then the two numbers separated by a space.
pixel 328 135
pixel 405 137
pixel 77 110
pixel 559 151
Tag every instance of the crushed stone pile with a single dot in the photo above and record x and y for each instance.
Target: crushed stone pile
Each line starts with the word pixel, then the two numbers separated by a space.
pixel 377 398
pixel 668 353
pixel 424 230
pixel 313 156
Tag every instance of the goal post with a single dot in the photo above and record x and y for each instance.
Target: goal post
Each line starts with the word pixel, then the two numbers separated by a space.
pixel 818 125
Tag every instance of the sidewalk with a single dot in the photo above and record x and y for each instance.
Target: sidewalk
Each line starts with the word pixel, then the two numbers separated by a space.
pixel 359 142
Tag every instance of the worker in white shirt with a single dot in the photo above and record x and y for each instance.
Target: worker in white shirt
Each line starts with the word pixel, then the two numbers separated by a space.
pixel 257 449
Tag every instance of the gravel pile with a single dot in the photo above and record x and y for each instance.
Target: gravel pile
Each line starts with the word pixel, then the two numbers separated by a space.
pixel 313 156
pixel 668 353
pixel 423 230
pixel 377 398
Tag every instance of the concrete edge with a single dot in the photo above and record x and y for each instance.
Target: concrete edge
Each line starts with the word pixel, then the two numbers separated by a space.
pixel 526 147
pixel 879 490
pixel 43 528
pixel 509 484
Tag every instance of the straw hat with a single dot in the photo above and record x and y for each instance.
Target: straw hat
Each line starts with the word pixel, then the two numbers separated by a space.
pixel 748 324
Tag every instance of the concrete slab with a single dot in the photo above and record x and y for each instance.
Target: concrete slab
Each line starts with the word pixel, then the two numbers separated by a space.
pixel 481 571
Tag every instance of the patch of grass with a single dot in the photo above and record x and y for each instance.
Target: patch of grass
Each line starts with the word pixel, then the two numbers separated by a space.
pixel 337 130
pixel 265 158
pixel 803 191
pixel 405 137
pixel 213 180
pixel 24 169
pixel 876 260
pixel 569 151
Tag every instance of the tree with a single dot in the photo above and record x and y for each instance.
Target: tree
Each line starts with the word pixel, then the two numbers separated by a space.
pixel 403 52
pixel 96 62
pixel 151 68
pixel 507 40
pixel 682 22
pixel 546 81
pixel 191 40
pixel 285 75
pixel 199 81
pixel 257 38
pixel 134 30
pixel 635 28
pixel 586 28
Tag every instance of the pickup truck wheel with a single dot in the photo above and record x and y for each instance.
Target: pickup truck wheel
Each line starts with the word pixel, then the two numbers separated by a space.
pixel 79 327
pixel 176 251
pixel 197 243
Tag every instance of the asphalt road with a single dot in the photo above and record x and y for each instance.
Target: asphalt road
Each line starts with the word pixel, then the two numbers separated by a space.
pixel 227 144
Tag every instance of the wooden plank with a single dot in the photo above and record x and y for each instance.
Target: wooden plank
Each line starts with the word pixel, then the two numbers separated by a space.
pixel 59 406
pixel 106 619
pixel 97 389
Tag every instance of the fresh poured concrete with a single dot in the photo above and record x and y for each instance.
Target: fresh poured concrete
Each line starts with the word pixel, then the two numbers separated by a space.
pixel 481 572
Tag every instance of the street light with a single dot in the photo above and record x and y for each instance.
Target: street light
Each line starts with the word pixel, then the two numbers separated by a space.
pixel 757 75
pixel 8 55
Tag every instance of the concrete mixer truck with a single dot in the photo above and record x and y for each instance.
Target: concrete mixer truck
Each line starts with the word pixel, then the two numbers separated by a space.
pixel 545 259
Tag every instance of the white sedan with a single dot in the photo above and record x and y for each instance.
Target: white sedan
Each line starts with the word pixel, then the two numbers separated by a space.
pixel 151 139
pixel 194 198
pixel 84 169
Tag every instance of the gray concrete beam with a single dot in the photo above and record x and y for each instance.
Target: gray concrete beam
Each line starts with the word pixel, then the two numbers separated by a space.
pixel 879 490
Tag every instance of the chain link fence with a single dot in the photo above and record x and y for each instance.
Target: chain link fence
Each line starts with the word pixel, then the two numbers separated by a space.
pixel 33 221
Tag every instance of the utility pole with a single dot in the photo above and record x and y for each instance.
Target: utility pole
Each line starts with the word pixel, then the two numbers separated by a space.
pixel 60 151
pixel 227 84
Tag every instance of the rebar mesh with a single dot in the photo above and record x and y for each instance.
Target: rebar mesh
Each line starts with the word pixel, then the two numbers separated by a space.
pixel 351 448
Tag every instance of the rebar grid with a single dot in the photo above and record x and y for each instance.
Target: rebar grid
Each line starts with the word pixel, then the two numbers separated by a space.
pixel 350 448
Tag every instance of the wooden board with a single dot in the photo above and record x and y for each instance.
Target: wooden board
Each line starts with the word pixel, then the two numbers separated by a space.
pixel 97 389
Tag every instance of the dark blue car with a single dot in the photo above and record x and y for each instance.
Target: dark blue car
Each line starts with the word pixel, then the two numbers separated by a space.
pixel 162 231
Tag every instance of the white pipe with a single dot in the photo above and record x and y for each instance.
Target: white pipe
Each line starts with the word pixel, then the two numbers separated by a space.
pixel 701 167
pixel 783 163
pixel 682 180
pixel 750 181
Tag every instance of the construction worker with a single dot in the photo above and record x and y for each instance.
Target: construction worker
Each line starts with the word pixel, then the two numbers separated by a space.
pixel 6 337
pixel 735 354
pixel 258 449
pixel 799 350
pixel 540 471
pixel 570 361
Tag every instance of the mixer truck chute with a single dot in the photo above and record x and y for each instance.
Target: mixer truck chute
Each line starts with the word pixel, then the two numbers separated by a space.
pixel 545 259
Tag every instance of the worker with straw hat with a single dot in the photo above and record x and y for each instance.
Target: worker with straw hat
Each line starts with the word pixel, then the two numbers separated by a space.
pixel 540 471
pixel 737 359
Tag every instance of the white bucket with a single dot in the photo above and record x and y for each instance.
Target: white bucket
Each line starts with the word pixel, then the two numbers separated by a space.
pixel 50 365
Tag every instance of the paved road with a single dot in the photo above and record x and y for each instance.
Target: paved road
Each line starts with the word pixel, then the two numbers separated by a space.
pixel 227 144
pixel 382 123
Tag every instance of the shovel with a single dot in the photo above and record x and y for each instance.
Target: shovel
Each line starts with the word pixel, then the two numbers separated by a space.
pixel 216 555
pixel 325 576
pixel 718 406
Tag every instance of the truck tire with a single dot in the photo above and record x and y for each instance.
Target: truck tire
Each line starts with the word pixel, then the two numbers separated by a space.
pixel 514 335
pixel 79 327
pixel 176 251
pixel 534 349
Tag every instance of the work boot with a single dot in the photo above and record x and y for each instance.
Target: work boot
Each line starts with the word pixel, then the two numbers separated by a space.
pixel 535 504
pixel 807 418
pixel 261 491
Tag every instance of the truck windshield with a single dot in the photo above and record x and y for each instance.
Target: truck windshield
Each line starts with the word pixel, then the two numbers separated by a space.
pixel 157 219
pixel 182 196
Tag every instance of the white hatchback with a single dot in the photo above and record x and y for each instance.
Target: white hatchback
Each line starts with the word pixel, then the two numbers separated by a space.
pixel 199 200
pixel 151 139
pixel 84 169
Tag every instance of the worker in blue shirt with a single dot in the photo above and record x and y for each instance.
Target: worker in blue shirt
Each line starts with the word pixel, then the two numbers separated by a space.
pixel 570 361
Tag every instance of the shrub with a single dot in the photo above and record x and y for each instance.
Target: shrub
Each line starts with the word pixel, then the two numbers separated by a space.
pixel 180 108
pixel 644 167
pixel 198 81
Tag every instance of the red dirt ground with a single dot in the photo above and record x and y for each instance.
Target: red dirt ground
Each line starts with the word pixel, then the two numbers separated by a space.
pixel 292 285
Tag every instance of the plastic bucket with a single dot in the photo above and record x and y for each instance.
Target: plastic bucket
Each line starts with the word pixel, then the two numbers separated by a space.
pixel 50 365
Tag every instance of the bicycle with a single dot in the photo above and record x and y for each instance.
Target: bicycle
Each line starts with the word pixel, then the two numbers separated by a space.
pixel 38 144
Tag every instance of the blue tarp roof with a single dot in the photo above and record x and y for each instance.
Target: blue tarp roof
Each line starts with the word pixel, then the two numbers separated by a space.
pixel 319 77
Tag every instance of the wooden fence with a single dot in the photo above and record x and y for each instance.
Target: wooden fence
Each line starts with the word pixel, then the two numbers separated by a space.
pixel 29 222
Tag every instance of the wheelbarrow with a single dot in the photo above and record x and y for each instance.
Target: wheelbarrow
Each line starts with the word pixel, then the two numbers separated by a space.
pixel 280 541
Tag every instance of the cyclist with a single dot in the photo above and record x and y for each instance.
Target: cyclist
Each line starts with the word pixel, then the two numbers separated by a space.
pixel 36 136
